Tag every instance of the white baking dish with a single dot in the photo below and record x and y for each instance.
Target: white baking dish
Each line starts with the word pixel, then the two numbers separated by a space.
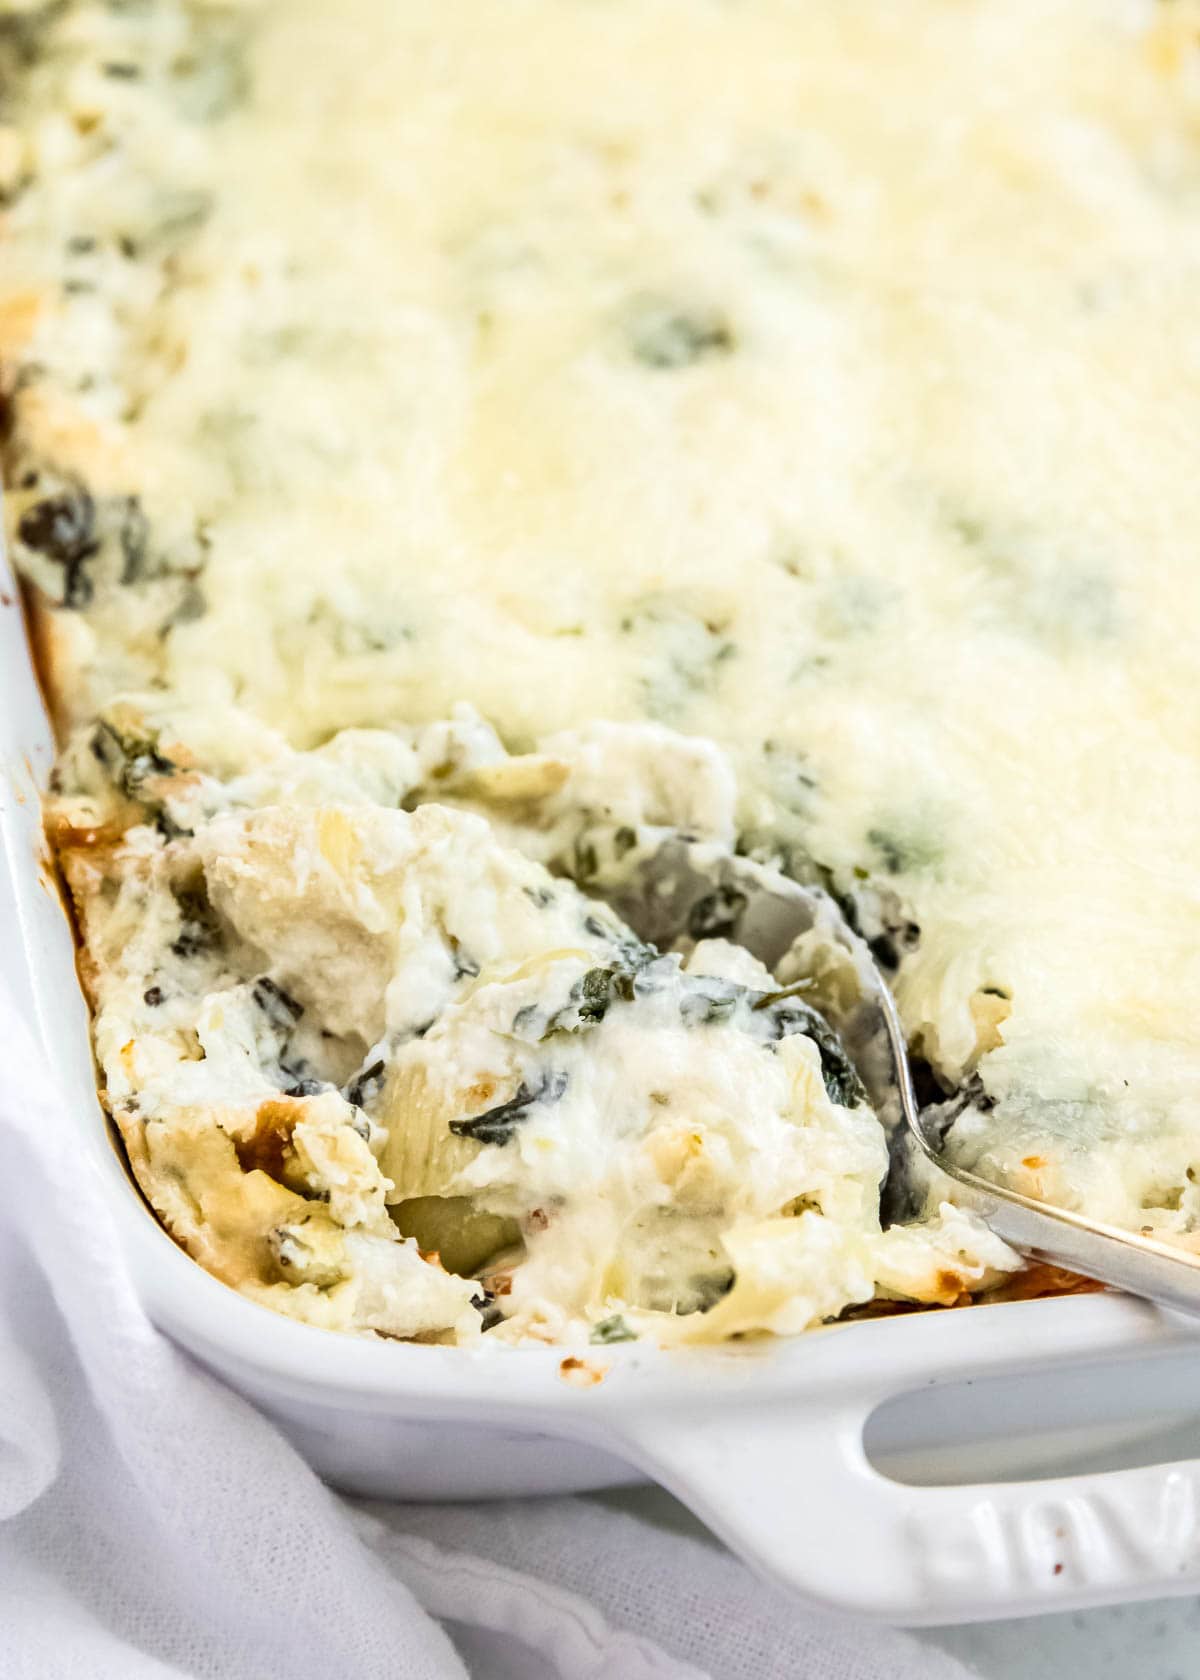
pixel 766 1444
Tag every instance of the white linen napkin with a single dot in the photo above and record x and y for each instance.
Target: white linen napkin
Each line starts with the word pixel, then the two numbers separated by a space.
pixel 153 1524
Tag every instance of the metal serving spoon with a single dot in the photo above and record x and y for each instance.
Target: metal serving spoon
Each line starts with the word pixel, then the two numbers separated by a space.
pixel 672 892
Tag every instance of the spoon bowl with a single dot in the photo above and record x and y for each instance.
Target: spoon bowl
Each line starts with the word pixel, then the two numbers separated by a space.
pixel 673 892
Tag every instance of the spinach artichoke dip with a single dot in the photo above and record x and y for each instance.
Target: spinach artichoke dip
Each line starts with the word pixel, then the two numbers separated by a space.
pixel 449 447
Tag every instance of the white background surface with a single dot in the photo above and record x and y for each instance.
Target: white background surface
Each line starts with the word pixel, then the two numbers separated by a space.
pixel 1155 1641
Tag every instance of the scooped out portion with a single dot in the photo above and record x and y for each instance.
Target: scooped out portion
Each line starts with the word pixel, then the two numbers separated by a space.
pixel 380 1069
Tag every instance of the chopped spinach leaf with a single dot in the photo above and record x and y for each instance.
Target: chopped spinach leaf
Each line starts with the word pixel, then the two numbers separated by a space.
pixel 789 777
pixel 905 853
pixel 890 851
pixel 614 1329
pixel 131 760
pixel 943 1110
pixel 190 943
pixel 305 1088
pixel 465 967
pixel 199 932
pixel 883 949
pixel 590 997
pixel 523 1020
pixel 666 337
pixel 62 528
pixel 497 1125
pixel 485 1305
pixel 717 915
pixel 684 653
pixel 785 1012
pixel 280 1008
pixel 366 1085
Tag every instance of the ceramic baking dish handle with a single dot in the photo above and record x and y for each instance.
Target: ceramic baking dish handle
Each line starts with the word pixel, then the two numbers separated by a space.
pixel 790 1488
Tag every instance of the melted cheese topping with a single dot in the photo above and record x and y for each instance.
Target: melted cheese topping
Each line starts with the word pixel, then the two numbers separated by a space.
pixel 820 381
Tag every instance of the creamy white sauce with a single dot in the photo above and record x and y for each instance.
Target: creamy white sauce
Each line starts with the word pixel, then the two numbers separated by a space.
pixel 311 1014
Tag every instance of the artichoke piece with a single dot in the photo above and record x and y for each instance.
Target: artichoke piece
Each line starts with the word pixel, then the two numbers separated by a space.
pixel 463 1236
